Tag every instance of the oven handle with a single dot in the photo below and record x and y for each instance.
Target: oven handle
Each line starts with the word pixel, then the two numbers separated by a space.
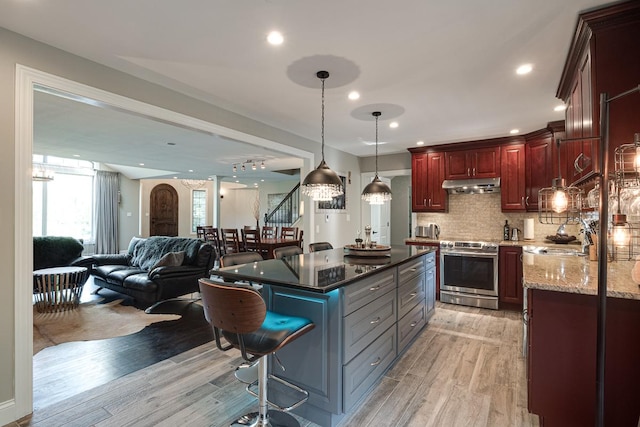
pixel 470 254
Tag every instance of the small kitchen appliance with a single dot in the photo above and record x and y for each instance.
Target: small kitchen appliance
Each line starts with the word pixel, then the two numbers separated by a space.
pixel 430 231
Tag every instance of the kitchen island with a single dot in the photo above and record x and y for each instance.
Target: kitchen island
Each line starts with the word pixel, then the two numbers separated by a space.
pixel 366 311
pixel 561 306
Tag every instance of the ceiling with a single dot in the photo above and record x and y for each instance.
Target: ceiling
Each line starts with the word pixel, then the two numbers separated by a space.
pixel 444 70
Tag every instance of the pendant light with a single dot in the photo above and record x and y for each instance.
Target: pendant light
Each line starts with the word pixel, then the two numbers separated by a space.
pixel 376 192
pixel 322 184
pixel 559 204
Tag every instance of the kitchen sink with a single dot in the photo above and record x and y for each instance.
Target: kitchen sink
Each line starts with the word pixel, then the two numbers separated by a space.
pixel 546 250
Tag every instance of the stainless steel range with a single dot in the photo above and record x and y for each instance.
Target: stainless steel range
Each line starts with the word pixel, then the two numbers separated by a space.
pixel 469 273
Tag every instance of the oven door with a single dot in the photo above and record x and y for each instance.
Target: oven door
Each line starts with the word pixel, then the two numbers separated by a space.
pixel 469 272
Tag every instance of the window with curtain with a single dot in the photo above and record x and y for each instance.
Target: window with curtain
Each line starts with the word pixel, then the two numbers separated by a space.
pixel 64 205
pixel 198 209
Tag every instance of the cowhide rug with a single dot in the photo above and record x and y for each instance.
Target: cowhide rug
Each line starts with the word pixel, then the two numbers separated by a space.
pixel 91 321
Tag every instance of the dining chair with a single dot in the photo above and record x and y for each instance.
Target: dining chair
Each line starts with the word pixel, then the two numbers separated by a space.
pixel 200 232
pixel 230 240
pixel 212 235
pixel 269 232
pixel 283 251
pixel 289 233
pixel 320 246
pixel 251 240
pixel 301 239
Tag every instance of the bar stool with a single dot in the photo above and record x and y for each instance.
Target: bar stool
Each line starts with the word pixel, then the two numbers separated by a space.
pixel 239 314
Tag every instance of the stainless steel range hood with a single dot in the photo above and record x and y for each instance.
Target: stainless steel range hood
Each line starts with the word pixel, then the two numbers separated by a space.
pixel 472 186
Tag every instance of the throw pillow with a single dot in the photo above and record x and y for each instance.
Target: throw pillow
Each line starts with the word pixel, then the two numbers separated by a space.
pixel 170 259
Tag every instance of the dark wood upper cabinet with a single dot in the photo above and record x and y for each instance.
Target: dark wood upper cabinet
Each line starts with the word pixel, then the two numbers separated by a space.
pixel 541 161
pixel 427 174
pixel 477 163
pixel 512 178
pixel 603 58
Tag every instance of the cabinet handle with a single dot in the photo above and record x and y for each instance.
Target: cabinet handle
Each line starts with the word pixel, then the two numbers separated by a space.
pixel 377 362
pixel 468 172
pixel 374 288
pixel 523 202
pixel 526 200
pixel 412 295
pixel 425 202
pixel 374 321
pixel 520 257
pixel 474 171
pixel 413 324
pixel 413 270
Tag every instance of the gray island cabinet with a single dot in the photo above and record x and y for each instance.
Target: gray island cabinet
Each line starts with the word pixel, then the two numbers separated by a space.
pixel 366 313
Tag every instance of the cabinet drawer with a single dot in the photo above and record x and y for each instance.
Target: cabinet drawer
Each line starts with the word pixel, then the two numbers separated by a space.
pixel 411 324
pixel 430 260
pixel 363 292
pixel 366 324
pixel 410 269
pixel 364 370
pixel 409 294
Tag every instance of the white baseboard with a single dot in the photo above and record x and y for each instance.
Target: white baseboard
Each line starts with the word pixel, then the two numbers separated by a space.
pixel 8 412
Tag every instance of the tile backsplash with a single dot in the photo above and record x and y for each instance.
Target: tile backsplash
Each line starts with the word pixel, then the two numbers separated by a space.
pixel 479 217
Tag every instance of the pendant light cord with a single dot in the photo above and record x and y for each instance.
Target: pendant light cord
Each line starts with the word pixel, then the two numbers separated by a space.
pixel 322 121
pixel 377 145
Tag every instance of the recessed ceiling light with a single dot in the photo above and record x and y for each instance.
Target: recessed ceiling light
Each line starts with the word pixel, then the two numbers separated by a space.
pixel 393 125
pixel 237 180
pixel 175 177
pixel 560 107
pixel 514 131
pixel 76 155
pixel 190 170
pixel 235 176
pixel 420 143
pixel 373 142
pixel 353 95
pixel 524 69
pixel 140 164
pixel 275 38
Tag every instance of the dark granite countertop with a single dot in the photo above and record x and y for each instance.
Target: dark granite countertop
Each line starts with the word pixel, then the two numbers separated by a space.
pixel 321 271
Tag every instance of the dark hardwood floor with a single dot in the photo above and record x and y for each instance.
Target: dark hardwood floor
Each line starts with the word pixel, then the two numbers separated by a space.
pixel 67 369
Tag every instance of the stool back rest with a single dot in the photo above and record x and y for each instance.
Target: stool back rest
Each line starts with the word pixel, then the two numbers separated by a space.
pixel 239 310
pixel 228 260
pixel 279 253
pixel 320 246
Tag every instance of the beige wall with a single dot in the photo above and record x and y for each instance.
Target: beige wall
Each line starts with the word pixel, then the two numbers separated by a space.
pixel 15 49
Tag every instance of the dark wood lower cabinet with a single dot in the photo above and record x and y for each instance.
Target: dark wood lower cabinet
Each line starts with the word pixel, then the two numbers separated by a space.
pixel 510 288
pixel 562 359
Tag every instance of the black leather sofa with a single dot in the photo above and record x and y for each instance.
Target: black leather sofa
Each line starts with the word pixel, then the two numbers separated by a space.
pixel 144 274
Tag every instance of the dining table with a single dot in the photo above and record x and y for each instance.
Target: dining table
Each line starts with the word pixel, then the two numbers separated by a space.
pixel 270 243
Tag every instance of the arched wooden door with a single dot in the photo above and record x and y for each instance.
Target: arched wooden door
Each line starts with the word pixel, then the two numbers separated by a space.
pixel 163 211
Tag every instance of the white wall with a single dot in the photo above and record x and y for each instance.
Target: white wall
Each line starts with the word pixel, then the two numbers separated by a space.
pixel 184 206
pixel 237 208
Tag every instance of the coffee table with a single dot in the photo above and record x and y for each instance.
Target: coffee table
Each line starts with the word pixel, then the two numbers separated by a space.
pixel 58 288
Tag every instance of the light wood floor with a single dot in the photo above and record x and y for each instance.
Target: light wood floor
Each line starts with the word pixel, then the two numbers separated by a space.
pixel 465 369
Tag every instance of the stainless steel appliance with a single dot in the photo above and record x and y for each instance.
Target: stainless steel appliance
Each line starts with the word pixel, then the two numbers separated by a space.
pixel 431 231
pixel 469 273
